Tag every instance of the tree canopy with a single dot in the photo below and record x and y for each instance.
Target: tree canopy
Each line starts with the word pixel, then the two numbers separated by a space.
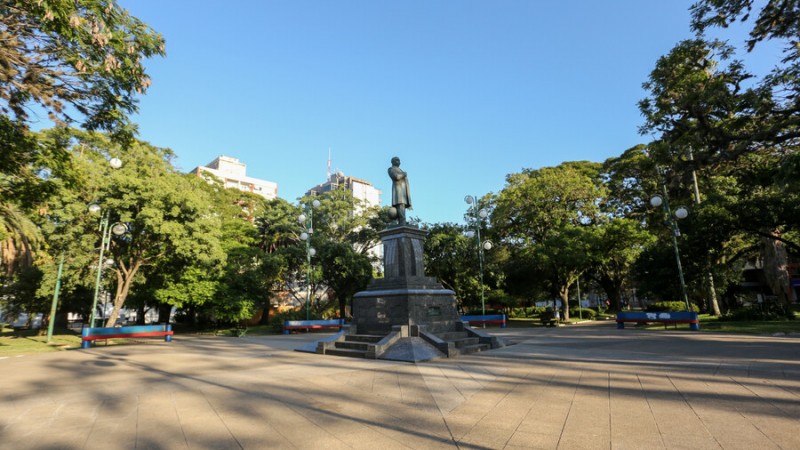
pixel 74 59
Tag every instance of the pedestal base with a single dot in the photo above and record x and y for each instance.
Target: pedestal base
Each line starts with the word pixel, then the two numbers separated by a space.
pixel 376 311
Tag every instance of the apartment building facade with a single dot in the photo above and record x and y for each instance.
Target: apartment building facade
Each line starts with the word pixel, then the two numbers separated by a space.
pixel 233 174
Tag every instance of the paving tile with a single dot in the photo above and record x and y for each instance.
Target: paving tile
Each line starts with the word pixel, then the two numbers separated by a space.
pixel 572 387
pixel 632 423
pixel 529 440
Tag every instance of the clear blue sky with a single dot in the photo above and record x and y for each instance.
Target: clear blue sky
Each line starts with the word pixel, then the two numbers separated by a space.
pixel 464 92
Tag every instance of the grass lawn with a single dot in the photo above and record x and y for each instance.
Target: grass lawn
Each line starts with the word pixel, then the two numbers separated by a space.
pixel 711 323
pixel 15 343
pixel 523 322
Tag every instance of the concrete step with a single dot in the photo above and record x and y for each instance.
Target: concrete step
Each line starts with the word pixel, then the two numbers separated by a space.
pixel 473 348
pixel 346 352
pixel 371 338
pixel 452 335
pixel 363 346
pixel 465 342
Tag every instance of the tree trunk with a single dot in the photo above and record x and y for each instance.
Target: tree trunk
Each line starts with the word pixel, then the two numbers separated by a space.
pixel 141 311
pixel 192 315
pixel 265 315
pixel 613 290
pixel 563 292
pixel 712 294
pixel 164 313
pixel 342 307
pixel 124 281
pixel 776 268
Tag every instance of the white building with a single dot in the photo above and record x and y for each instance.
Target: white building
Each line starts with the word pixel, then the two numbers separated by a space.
pixel 232 172
pixel 361 189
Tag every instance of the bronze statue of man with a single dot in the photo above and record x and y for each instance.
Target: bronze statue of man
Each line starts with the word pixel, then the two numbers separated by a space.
pixel 401 195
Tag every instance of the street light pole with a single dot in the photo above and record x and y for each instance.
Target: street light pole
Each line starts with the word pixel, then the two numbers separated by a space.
pixel 105 240
pixel 54 306
pixel 308 230
pixel 105 233
pixel 477 217
pixel 680 213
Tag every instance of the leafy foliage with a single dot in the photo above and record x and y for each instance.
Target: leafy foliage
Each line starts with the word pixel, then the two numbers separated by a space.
pixel 452 257
pixel 545 214
pixel 669 307
pixel 586 313
pixel 344 270
pixel 85 54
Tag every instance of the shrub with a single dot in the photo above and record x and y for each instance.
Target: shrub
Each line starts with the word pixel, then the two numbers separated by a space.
pixel 670 307
pixel 757 312
pixel 517 312
pixel 586 313
pixel 479 312
pixel 525 312
pixel 538 310
pixel 547 315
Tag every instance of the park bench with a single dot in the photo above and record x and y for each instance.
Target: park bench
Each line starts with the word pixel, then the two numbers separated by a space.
pixel 289 325
pixel 484 319
pixel 549 321
pixel 137 331
pixel 659 317
pixel 550 318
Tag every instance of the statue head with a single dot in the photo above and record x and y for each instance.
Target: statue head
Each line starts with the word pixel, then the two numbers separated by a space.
pixel 395 161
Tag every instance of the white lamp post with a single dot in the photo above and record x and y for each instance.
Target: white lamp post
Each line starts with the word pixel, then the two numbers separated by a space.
pixel 118 229
pixel 308 229
pixel 477 216
pixel 680 213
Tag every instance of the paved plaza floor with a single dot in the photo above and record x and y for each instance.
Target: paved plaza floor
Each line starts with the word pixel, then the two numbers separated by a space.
pixel 578 387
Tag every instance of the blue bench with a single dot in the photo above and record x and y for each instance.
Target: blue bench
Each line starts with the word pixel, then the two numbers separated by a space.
pixel 92 334
pixel 659 317
pixel 489 318
pixel 289 325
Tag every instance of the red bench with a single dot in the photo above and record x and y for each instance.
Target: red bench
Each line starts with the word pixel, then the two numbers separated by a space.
pixel 289 325
pixel 88 335
pixel 660 317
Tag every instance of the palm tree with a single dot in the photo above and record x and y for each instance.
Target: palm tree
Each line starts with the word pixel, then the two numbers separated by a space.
pixel 19 239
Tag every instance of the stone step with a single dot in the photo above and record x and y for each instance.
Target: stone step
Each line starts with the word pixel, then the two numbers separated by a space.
pixel 465 342
pixel 452 335
pixel 371 338
pixel 346 352
pixel 473 348
pixel 363 346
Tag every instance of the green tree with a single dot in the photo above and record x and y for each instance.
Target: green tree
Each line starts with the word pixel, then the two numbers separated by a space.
pixel 543 213
pixel 340 218
pixel 69 57
pixel 283 257
pixel 32 167
pixel 166 214
pixel 452 258
pixel 712 125
pixel 777 19
pixel 615 247
pixel 344 271
pixel 18 239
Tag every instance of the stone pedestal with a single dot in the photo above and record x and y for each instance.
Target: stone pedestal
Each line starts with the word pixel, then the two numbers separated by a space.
pixel 405 296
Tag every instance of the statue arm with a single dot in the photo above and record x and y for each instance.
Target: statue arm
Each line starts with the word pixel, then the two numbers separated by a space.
pixel 396 174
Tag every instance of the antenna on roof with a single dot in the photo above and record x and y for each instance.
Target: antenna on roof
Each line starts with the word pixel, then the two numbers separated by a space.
pixel 329 163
